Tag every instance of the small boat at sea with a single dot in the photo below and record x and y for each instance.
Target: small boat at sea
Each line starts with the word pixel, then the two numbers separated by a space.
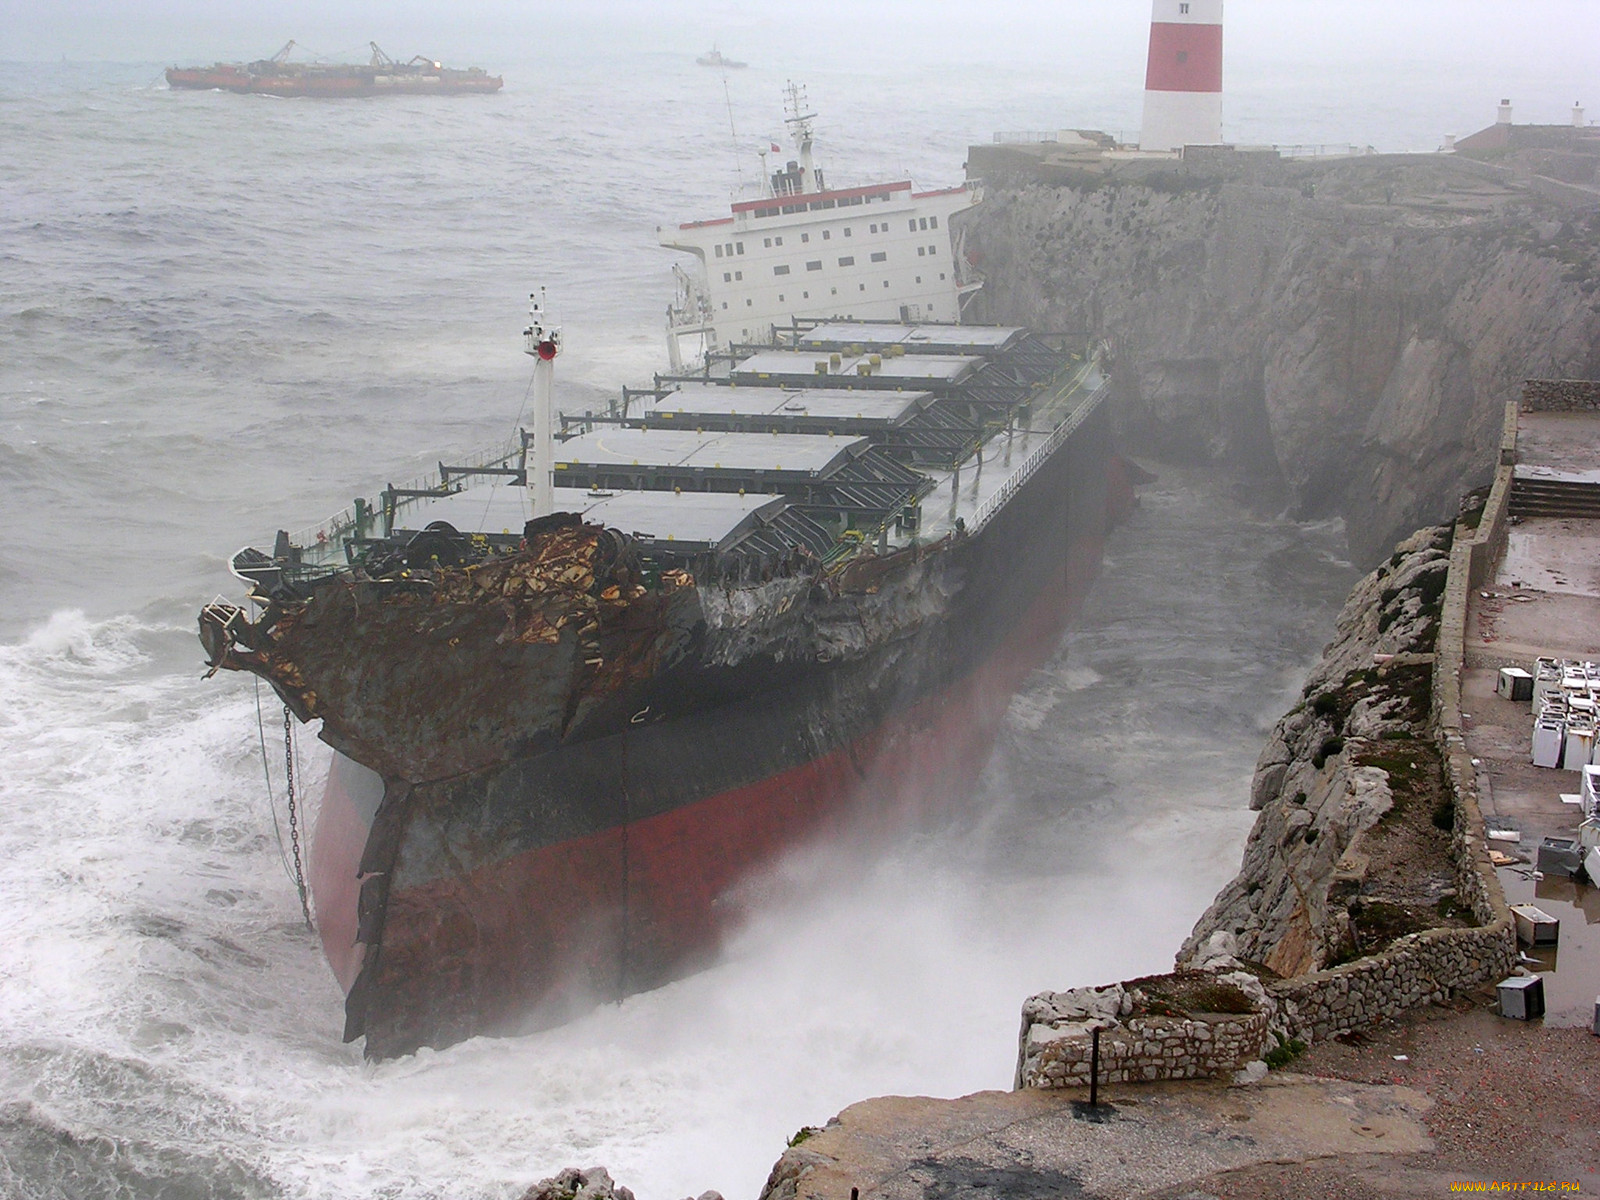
pixel 715 58
pixel 379 76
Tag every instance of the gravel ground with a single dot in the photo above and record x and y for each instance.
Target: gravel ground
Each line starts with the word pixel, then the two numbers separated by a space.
pixel 1513 1102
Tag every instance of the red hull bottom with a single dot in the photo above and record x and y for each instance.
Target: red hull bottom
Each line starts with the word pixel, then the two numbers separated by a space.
pixel 534 938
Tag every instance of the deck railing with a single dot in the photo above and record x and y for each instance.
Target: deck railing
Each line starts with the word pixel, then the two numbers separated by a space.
pixel 324 541
pixel 1038 458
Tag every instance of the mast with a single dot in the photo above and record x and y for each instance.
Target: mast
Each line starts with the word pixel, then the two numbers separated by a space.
pixel 799 122
pixel 543 341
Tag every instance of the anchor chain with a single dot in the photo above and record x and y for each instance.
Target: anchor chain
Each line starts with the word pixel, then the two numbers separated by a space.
pixel 294 816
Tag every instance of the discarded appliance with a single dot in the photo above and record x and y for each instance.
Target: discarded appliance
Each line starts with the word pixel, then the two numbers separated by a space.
pixel 1549 738
pixel 1590 790
pixel 1535 927
pixel 1546 680
pixel 1578 746
pixel 1514 684
pixel 1521 997
pixel 1559 856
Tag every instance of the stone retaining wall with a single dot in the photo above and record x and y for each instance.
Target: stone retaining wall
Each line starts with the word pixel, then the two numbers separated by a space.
pixel 1561 395
pixel 1488 539
pixel 1421 968
pixel 1143 1050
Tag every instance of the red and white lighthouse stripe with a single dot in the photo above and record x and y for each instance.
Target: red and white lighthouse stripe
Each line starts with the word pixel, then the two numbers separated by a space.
pixel 1183 81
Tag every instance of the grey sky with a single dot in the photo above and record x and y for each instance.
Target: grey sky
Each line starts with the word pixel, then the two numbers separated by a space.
pixel 1451 57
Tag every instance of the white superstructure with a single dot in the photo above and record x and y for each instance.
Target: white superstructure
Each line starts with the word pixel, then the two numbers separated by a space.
pixel 880 251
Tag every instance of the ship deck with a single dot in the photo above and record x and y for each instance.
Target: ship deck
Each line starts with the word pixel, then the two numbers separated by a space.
pixel 926 445
pixel 706 400
pixel 860 370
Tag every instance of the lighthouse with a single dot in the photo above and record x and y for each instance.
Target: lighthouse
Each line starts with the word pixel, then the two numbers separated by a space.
pixel 1183 81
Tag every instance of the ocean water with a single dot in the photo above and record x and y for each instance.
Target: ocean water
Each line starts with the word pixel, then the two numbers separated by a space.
pixel 222 315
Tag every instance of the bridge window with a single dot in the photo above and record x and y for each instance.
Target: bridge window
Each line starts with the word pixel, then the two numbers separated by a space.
pixel 849 260
pixel 880 256
pixel 781 270
pixel 814 265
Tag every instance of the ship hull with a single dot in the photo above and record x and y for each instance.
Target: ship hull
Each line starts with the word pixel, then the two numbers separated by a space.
pixel 331 85
pixel 513 896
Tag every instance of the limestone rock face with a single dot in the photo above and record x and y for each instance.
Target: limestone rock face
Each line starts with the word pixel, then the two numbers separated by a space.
pixel 574 1184
pixel 593 1183
pixel 1315 801
pixel 1344 336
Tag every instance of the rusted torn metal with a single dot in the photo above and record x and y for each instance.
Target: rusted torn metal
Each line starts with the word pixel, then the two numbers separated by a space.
pixel 427 673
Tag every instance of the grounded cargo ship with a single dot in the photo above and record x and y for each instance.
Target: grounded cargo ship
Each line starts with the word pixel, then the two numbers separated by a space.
pixel 580 689
pixel 381 76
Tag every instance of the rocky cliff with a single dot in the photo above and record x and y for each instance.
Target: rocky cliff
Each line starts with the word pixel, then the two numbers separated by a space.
pixel 1352 847
pixel 1342 335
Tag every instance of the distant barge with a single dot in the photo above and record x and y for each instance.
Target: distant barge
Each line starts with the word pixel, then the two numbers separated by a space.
pixel 381 76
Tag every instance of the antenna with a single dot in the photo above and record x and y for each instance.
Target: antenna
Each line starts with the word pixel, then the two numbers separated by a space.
pixel 727 95
pixel 799 121
pixel 795 103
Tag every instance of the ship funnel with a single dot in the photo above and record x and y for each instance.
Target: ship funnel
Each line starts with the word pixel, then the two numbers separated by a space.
pixel 1505 113
pixel 1183 78
pixel 543 341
